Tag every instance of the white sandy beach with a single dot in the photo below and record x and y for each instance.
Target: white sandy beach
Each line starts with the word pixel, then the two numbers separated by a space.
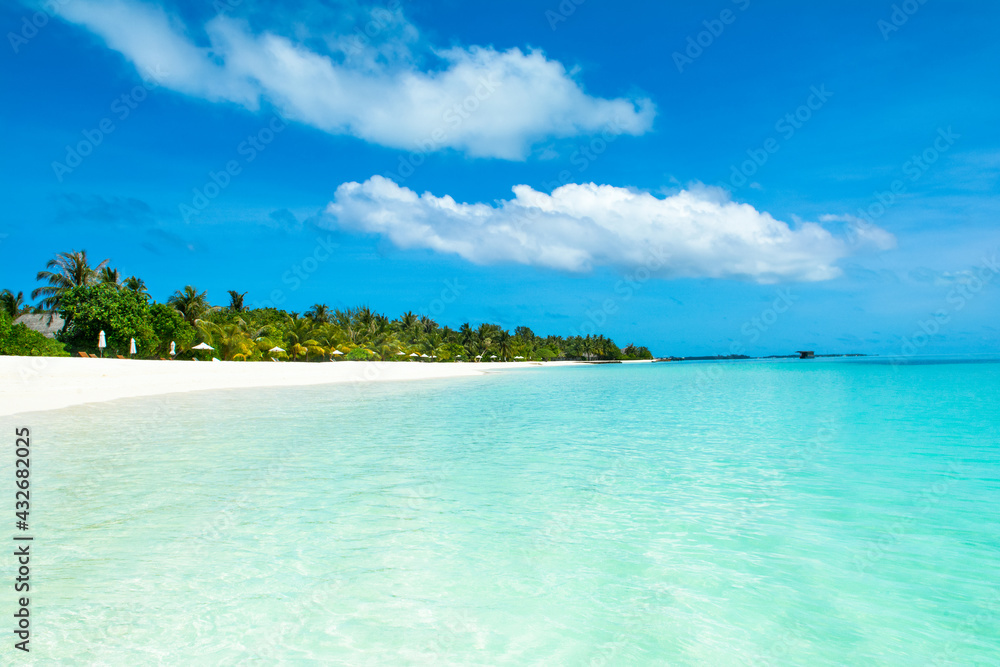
pixel 29 384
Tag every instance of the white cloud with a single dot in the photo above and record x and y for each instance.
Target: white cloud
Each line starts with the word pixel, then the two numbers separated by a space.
pixel 697 232
pixel 482 101
pixel 861 233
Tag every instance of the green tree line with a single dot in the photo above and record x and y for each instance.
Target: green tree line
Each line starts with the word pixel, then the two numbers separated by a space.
pixel 91 299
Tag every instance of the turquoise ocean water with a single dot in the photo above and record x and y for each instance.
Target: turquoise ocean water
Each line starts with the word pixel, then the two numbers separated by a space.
pixel 751 513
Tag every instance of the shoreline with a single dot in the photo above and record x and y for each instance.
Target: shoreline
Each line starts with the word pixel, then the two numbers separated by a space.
pixel 36 384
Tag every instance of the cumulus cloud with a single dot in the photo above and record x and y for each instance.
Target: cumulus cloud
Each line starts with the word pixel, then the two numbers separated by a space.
pixel 475 99
pixel 697 232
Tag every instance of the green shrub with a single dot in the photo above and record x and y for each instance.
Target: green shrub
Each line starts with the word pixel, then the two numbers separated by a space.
pixel 17 339
pixel 121 314
pixel 169 326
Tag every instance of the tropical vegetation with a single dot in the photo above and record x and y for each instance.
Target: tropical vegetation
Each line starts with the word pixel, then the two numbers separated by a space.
pixel 95 299
pixel 18 339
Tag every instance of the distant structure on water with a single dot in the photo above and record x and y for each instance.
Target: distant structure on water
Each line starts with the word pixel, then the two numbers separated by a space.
pixel 806 354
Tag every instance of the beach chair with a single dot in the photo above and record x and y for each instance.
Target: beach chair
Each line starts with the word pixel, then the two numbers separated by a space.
pixel 119 356
pixel 83 355
pixel 93 356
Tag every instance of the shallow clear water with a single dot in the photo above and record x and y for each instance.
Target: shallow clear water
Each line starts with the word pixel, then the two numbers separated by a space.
pixel 786 513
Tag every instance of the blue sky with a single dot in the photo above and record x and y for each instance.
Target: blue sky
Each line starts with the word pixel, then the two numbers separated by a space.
pixel 698 177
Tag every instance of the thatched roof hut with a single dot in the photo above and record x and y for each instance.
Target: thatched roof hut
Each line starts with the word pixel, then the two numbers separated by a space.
pixel 47 324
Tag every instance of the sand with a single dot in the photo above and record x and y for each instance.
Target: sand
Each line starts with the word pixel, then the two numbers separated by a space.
pixel 30 384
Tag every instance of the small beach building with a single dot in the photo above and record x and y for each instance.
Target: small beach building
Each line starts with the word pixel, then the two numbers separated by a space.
pixel 47 324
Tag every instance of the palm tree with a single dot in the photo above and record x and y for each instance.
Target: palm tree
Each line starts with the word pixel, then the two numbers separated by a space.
pixel 230 340
pixel 12 304
pixel 408 321
pixel 137 285
pixel 386 348
pixel 320 313
pixel 236 301
pixel 72 271
pixel 236 341
pixel 110 276
pixel 429 325
pixel 299 334
pixel 342 318
pixel 588 347
pixel 466 332
pixel 485 335
pixel 189 303
pixel 328 336
pixel 503 345
pixel 431 344
pixel 365 322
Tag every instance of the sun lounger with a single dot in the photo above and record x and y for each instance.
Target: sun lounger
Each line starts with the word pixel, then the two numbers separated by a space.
pixel 83 354
pixel 93 356
pixel 119 356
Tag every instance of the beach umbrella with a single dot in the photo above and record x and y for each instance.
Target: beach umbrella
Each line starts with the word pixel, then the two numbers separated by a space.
pixel 493 356
pixel 173 348
pixel 519 357
pixel 131 346
pixel 276 349
pixel 414 354
pixel 336 353
pixel 202 346
pixel 401 354
pixel 101 342
pixel 424 356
